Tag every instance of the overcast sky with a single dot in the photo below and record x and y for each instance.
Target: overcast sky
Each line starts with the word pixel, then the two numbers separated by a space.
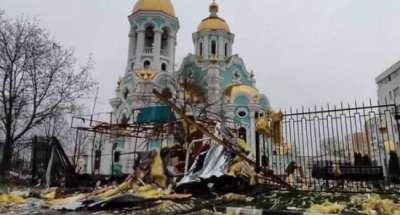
pixel 303 52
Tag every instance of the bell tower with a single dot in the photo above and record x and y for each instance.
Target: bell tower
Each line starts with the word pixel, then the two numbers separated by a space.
pixel 213 39
pixel 152 37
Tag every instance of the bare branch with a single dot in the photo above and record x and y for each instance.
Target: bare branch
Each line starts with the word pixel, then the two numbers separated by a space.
pixel 38 79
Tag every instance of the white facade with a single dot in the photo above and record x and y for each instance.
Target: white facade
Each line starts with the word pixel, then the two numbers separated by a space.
pixel 389 85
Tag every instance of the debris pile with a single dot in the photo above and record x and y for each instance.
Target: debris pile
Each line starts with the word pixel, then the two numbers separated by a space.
pixel 327 208
pixel 157 178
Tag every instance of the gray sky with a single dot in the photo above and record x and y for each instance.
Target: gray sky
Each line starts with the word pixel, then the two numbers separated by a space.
pixel 303 52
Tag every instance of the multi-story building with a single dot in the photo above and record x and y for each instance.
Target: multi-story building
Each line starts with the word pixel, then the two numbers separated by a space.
pixel 389 85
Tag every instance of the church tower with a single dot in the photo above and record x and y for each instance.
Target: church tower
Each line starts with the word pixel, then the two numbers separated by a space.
pixel 152 37
pixel 213 39
pixel 151 57
pixel 213 46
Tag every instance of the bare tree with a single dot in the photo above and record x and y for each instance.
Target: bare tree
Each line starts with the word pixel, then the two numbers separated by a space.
pixel 37 80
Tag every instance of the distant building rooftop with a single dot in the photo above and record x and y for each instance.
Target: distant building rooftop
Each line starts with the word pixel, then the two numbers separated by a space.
pixel 388 72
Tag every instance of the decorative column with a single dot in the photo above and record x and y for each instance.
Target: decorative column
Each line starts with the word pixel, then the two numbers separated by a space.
pixel 252 132
pixel 221 48
pixel 157 50
pixel 230 44
pixel 213 87
pixel 139 49
pixel 171 52
pixel 131 50
pixel 205 48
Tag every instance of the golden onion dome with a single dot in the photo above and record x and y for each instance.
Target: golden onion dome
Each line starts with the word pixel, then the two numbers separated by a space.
pixel 231 92
pixel 213 22
pixel 164 6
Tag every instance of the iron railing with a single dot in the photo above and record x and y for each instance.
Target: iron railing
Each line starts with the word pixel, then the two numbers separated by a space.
pixel 346 148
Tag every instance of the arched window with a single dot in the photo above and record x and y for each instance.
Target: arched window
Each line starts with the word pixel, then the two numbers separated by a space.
pixel 146 64
pixel 163 67
pixel 226 49
pixel 242 133
pixel 213 48
pixel 124 120
pixel 117 156
pixel 164 39
pixel 149 36
pixel 201 49
pixel 126 93
pixel 135 42
pixel 136 39
pixel 132 66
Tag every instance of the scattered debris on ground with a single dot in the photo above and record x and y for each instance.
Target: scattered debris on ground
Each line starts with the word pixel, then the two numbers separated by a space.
pixel 326 208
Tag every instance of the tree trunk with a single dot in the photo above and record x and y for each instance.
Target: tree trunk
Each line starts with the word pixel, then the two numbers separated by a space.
pixel 7 157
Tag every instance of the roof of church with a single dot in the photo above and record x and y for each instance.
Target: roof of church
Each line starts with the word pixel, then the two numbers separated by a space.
pixel 164 6
pixel 213 22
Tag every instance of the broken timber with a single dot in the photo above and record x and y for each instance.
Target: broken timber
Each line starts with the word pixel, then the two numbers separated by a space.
pixel 227 146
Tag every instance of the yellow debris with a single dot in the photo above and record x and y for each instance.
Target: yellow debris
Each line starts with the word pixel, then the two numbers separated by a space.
pixel 270 126
pixel 390 146
pixel 11 199
pixel 262 126
pixel 149 192
pixel 64 201
pixel 49 196
pixel 326 208
pixel 233 197
pixel 239 167
pixel 381 206
pixel 124 187
pixel 157 171
pixel 243 145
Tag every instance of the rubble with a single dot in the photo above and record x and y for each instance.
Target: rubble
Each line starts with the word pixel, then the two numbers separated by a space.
pixel 233 197
pixel 326 208
pixel 11 199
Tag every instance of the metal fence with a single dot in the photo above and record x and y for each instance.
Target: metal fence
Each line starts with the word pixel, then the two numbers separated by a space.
pixel 352 148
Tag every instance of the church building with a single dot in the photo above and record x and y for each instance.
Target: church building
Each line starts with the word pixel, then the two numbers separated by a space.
pixel 217 77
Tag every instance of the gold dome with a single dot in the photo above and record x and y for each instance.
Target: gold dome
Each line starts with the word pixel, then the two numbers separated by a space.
pixel 231 92
pixel 213 22
pixel 164 6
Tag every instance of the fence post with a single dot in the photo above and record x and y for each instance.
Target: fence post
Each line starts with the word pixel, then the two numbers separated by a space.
pixel 258 168
pixel 33 161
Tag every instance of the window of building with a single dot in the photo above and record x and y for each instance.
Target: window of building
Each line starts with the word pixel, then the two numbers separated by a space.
pixel 396 92
pixel 226 49
pixel 214 48
pixel 117 156
pixel 126 93
pixel 97 159
pixel 201 49
pixel 242 112
pixel 236 76
pixel 149 36
pixel 242 133
pixel 124 120
pixel 146 64
pixel 390 95
pixel 163 67
pixel 164 39
pixel 136 42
